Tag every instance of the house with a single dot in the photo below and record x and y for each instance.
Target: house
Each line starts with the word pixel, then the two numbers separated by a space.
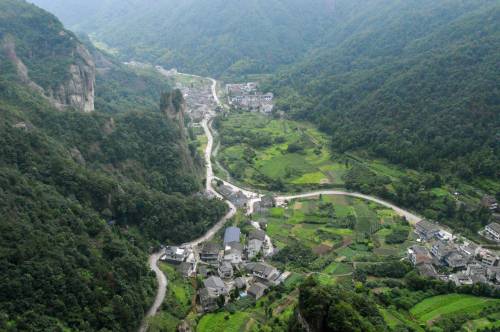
pixel 444 235
pixel 174 255
pixel 264 271
pixel 239 199
pixel 257 234
pixel 469 250
pixel 208 300
pixel 210 252
pixel 488 258
pixel 216 285
pixel 461 278
pixel 478 278
pixel 493 273
pixel 225 270
pixel 489 202
pixel 185 269
pixel 257 290
pixel 476 269
pixel 419 255
pixel 233 253
pixel 231 234
pixel 240 283
pixel 268 201
pixel 440 250
pixel 492 231
pixel 427 270
pixel 455 260
pixel 253 248
pixel 426 230
pixel 268 97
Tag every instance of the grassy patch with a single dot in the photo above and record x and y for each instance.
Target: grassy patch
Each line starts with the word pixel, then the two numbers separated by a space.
pixel 436 306
pixel 223 321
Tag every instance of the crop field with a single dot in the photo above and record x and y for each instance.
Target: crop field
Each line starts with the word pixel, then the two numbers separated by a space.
pixel 349 227
pixel 294 153
pixel 438 306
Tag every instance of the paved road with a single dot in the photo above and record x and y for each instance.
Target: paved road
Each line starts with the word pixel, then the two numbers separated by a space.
pixel 160 293
pixel 254 197
pixel 412 218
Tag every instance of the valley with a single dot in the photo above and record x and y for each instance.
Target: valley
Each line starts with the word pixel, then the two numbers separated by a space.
pixel 336 233
pixel 249 166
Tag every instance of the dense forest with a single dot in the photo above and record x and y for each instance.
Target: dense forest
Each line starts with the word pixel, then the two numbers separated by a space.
pixel 335 308
pixel 417 84
pixel 84 196
pixel 207 37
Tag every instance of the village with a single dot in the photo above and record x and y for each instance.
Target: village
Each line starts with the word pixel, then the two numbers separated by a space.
pixel 233 268
pixel 248 97
pixel 235 263
pixel 442 255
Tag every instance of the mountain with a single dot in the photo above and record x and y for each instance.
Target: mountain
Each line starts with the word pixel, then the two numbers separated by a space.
pixel 39 66
pixel 85 192
pixel 415 82
pixel 207 37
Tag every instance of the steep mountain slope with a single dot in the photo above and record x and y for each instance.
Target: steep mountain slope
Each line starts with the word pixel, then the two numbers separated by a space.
pixel 63 73
pixel 83 196
pixel 202 36
pixel 414 82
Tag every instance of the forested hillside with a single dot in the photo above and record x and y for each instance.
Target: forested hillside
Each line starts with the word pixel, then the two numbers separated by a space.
pixel 83 196
pixel 208 37
pixel 415 82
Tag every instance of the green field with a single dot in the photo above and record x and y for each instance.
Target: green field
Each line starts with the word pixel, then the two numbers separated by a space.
pixel 177 304
pixel 437 306
pixel 349 228
pixel 269 141
pixel 223 321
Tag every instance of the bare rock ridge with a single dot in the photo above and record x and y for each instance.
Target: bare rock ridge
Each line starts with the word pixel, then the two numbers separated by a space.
pixel 174 106
pixel 78 91
pixel 75 92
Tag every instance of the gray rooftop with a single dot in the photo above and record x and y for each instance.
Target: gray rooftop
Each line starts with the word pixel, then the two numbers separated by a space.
pixel 256 288
pixel 494 226
pixel 232 234
pixel 214 282
pixel 210 248
pixel 257 234
pixel 428 226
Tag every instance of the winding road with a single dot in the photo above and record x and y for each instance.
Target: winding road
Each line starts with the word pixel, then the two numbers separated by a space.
pixel 254 197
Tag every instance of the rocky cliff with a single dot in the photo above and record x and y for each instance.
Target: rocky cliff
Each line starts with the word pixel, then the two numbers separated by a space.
pixel 78 90
pixel 174 106
pixel 44 56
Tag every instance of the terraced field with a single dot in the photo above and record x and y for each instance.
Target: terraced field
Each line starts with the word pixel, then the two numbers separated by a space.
pixel 294 153
pixel 438 306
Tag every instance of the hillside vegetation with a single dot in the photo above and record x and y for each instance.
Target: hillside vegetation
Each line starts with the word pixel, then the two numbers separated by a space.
pixel 209 37
pixel 413 82
pixel 84 196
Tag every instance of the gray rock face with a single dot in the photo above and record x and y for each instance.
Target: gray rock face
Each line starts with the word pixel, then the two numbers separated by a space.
pixel 78 91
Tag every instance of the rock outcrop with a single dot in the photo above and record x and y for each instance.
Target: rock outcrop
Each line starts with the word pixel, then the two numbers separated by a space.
pixel 76 92
pixel 174 106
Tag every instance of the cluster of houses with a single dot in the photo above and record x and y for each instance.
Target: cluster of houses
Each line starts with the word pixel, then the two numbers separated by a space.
pixel 440 255
pixel 236 268
pixel 247 96
pixel 232 269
